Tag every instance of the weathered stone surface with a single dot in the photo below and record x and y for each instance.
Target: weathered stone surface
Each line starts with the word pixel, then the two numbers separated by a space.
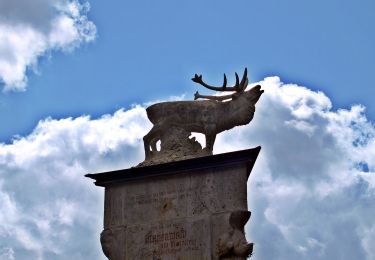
pixel 193 209
pixel 176 144
pixel 175 121
pixel 169 240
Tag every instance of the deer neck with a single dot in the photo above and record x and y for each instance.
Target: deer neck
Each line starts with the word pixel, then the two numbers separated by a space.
pixel 233 113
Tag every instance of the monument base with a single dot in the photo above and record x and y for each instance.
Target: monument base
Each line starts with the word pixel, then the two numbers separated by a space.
pixel 193 209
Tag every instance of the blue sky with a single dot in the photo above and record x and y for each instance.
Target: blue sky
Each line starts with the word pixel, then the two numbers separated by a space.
pixel 75 77
pixel 146 50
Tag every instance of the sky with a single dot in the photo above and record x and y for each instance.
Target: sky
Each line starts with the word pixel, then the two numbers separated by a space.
pixel 76 77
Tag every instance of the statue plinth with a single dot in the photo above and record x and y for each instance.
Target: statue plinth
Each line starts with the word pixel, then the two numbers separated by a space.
pixel 189 209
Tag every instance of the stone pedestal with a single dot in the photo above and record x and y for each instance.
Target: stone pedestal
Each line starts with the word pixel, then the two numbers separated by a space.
pixel 193 209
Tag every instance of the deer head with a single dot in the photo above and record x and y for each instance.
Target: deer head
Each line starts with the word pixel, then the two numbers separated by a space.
pixel 239 87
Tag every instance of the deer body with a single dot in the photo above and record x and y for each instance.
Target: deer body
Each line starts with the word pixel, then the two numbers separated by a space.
pixel 208 117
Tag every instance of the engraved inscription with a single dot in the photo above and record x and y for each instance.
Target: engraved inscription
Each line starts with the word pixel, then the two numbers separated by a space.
pixel 174 198
pixel 160 196
pixel 165 236
pixel 171 240
pixel 178 197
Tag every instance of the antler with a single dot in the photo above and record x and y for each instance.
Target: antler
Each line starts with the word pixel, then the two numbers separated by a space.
pixel 242 86
pixel 239 87
pixel 218 98
pixel 199 80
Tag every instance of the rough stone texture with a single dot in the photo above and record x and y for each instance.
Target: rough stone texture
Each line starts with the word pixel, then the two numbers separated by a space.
pixel 176 144
pixel 192 209
pixel 175 121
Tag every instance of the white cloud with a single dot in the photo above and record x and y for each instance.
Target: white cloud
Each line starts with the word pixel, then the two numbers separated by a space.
pixel 7 253
pixel 48 209
pixel 312 186
pixel 311 190
pixel 30 30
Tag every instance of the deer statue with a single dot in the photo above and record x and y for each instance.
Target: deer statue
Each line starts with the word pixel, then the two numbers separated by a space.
pixel 210 116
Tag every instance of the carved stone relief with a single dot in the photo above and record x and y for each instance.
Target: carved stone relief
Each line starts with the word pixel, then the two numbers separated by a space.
pixel 175 121
pixel 233 244
pixel 112 241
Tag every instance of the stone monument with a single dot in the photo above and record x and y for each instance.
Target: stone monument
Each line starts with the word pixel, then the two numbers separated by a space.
pixel 182 202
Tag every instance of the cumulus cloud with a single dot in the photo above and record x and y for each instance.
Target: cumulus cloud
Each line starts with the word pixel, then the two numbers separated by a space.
pixel 310 192
pixel 312 187
pixel 48 209
pixel 30 29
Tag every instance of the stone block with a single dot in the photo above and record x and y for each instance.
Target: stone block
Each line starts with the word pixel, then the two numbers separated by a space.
pixel 190 209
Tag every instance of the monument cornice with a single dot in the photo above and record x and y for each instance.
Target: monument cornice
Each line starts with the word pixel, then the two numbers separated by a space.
pixel 247 157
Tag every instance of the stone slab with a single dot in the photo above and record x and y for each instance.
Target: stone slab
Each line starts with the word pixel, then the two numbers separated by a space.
pixel 247 157
pixel 191 209
pixel 176 196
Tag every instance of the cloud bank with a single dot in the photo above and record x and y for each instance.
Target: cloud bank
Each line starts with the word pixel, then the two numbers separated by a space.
pixel 312 187
pixel 31 29
pixel 310 192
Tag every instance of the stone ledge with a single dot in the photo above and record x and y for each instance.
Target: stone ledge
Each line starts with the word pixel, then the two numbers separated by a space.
pixel 178 167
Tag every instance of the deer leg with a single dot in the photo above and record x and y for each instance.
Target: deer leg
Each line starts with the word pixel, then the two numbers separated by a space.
pixel 153 144
pixel 210 140
pixel 146 144
pixel 151 139
pixel 148 139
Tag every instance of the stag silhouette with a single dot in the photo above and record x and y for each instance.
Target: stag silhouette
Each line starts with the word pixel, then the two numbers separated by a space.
pixel 210 116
